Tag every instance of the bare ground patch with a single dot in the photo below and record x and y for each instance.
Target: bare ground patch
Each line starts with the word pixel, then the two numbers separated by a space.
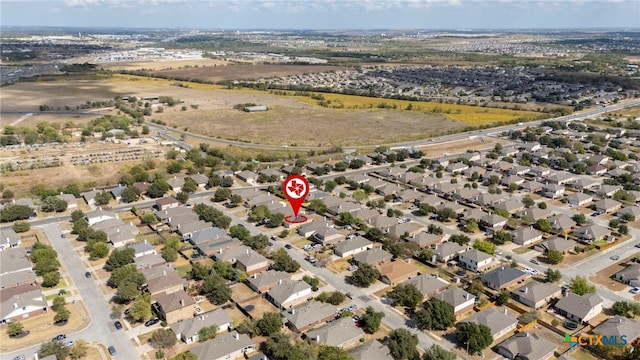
pixel 603 277
pixel 244 71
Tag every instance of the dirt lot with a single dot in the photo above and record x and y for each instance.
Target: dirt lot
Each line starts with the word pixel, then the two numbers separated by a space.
pixel 244 71
pixel 603 277
pixel 160 64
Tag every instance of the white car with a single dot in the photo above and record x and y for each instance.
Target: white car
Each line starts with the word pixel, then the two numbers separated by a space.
pixel 635 290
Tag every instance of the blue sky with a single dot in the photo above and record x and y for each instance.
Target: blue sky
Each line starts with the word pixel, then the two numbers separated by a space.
pixel 323 14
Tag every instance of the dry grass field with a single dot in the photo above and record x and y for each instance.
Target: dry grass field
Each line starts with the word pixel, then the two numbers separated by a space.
pixel 156 65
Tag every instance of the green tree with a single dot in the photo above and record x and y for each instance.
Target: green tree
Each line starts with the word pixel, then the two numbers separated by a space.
pixel 99 250
pixel 130 194
pixel 460 239
pixel 425 209
pixel 79 350
pixel 403 345
pixel 270 324
pixel 52 203
pixel 484 246
pixel 347 218
pixel 554 256
pixel 283 262
pixel 199 271
pixel 553 275
pixel 542 205
pixel 149 218
pixel 164 338
pixel 336 298
pixel 436 352
pixel 406 295
pixel 239 232
pixel 445 214
pixel 119 258
pixel 364 276
pixel 435 315
pixel 313 281
pixel 544 225
pixel 15 328
pixel 222 194
pixel 257 242
pixel 189 186
pixel 502 237
pixel 55 347
pixel 21 226
pixel 51 279
pixel 58 303
pixel 207 332
pixel 476 337
pixel 12 212
pixel 216 290
pixel 186 355
pixel 330 185
pixel 471 226
pixel 62 315
pixel 327 352
pixel 503 297
pixel 580 219
pixel 371 320
pixel 127 291
pixel 580 286
pixel 102 198
pixel 528 201
pixel 275 220
pixel 476 287
pixel 259 213
pixel 141 308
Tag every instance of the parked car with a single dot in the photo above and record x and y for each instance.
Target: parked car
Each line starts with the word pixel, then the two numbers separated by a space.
pixel 635 290
pixel 126 311
pixel 60 337
pixel 117 325
pixel 69 343
pixel 112 350
pixel 638 245
pixel 534 261
pixel 615 257
pixel 288 246
pixel 19 357
pixel 352 268
pixel 87 274
pixel 63 236
pixel 152 322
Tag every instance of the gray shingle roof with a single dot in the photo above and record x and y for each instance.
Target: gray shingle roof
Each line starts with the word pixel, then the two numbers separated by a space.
pixel 222 345
pixel 527 346
pixel 494 319
pixel 337 333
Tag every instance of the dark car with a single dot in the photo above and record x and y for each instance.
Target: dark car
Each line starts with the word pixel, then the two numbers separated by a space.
pixel 126 311
pixel 60 337
pixel 152 322
pixel 87 274
pixel 112 350
pixel 288 246
pixel 63 236
pixel 118 325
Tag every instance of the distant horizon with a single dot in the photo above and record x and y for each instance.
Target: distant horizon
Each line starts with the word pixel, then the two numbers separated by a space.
pixel 324 15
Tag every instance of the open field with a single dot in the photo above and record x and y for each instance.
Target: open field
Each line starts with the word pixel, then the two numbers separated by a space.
pixel 242 71
pixel 156 65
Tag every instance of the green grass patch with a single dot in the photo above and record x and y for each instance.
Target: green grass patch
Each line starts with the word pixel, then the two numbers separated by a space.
pixel 183 269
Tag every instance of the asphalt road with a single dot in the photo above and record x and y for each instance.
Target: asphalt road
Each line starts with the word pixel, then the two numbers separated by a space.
pixel 101 328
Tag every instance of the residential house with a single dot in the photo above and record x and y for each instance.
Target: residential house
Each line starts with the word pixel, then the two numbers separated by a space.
pixel 579 199
pixel 531 187
pixel 461 300
pixel 630 275
pixel 502 277
pixel 344 207
pixel 166 202
pixel 475 260
pixel 511 205
pixel 631 212
pixel 429 285
pixel 176 183
pixel 389 189
pixel 20 302
pixel 563 245
pixel 117 191
pixel 619 326
pixel 187 330
pixel 562 223
pixel 308 229
pixel 526 346
pixel 535 213
pixel 305 316
pixel 591 233
pixel 526 236
pixel 536 294
pixel 492 223
pixel 9 239
pixel 447 251
pixel 579 308
pixel 149 261
pixel 586 183
pixel 212 247
pixel 327 236
pixel 395 272
pixel 265 281
pixel 142 187
pixel 272 173
pixel 98 215
pixel 609 190
pixel 72 203
pixel 143 248
pixel 383 222
pixel 366 215
pixel 229 346
pixel 341 333
pixel 608 206
pixel 288 292
pixel 371 350
pixel 169 281
pixel 403 230
pixel 251 262
pixel 352 246
pixel 500 322
pixel 174 306
pixel 208 234
pixel 373 257
pixel 553 191
pixel 247 176
pixel 424 239
pixel 89 196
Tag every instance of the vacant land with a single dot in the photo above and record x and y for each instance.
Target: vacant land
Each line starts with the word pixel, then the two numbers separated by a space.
pixel 156 65
pixel 242 71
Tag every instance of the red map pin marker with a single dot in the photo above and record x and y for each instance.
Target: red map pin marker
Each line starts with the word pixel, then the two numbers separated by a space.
pixel 296 189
